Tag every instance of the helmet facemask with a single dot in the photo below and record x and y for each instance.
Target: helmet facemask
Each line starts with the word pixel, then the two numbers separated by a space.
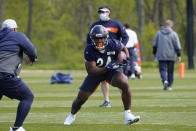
pixel 99 36
pixel 99 43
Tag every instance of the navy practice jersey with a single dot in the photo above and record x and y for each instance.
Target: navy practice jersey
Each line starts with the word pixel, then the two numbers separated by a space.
pixel 102 59
pixel 115 29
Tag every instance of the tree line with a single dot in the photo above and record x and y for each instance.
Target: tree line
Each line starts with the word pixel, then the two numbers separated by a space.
pixel 58 28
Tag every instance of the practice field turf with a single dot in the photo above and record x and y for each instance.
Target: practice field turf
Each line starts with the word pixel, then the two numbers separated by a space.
pixel 159 110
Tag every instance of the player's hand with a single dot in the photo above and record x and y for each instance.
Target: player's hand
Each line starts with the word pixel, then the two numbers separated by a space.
pixel 112 66
pixel 125 63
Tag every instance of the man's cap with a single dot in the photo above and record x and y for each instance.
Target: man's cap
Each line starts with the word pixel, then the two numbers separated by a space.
pixel 104 9
pixel 9 23
pixel 126 25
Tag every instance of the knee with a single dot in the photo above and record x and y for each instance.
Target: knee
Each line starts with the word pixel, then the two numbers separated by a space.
pixel 30 97
pixel 125 86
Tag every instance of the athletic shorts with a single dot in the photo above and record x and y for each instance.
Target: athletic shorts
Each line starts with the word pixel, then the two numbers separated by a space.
pixel 13 87
pixel 91 83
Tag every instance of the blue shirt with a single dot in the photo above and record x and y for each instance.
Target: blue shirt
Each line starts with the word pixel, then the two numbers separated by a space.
pixel 12 46
pixel 115 29
pixel 102 59
pixel 15 41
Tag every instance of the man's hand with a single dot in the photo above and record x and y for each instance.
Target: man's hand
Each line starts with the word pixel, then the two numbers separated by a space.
pixel 112 66
pixel 28 61
pixel 155 58
pixel 178 59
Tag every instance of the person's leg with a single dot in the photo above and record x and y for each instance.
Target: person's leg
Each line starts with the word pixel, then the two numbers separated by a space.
pixel 170 72
pixel 79 101
pixel 162 70
pixel 89 86
pixel 132 64
pixel 105 91
pixel 14 88
pixel 24 106
pixel 120 80
pixel 76 105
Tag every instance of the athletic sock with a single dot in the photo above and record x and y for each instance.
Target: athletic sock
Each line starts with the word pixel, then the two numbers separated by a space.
pixel 15 128
pixel 127 112
pixel 73 115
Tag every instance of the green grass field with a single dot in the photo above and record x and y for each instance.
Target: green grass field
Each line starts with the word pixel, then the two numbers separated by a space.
pixel 159 110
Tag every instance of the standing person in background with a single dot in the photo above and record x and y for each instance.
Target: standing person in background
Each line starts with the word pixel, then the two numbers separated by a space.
pixel 131 48
pixel 116 32
pixel 166 45
pixel 12 46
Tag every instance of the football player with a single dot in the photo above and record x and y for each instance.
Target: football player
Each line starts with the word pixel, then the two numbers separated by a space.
pixel 117 32
pixel 101 65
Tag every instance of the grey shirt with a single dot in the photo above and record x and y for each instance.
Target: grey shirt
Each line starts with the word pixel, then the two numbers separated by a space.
pixel 10 62
pixel 167 43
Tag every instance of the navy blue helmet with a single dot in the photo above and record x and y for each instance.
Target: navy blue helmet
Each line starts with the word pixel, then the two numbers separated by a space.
pixel 99 35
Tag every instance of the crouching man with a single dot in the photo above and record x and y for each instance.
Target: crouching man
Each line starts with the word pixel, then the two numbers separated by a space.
pixel 12 46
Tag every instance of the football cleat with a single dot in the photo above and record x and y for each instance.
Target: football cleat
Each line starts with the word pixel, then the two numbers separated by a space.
pixel 130 119
pixel 105 104
pixel 132 77
pixel 165 84
pixel 169 88
pixel 140 76
pixel 19 129
pixel 70 119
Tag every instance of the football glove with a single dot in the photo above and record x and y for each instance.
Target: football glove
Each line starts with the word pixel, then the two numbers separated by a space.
pixel 124 64
pixel 112 66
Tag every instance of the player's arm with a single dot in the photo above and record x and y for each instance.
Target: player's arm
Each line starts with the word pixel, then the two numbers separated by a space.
pixel 93 70
pixel 125 50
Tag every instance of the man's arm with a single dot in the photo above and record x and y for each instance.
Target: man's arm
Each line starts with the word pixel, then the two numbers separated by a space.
pixel 125 50
pixel 27 47
pixel 124 35
pixel 177 47
pixel 155 41
pixel 93 70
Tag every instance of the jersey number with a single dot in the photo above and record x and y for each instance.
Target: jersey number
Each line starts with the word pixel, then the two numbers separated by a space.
pixel 100 61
